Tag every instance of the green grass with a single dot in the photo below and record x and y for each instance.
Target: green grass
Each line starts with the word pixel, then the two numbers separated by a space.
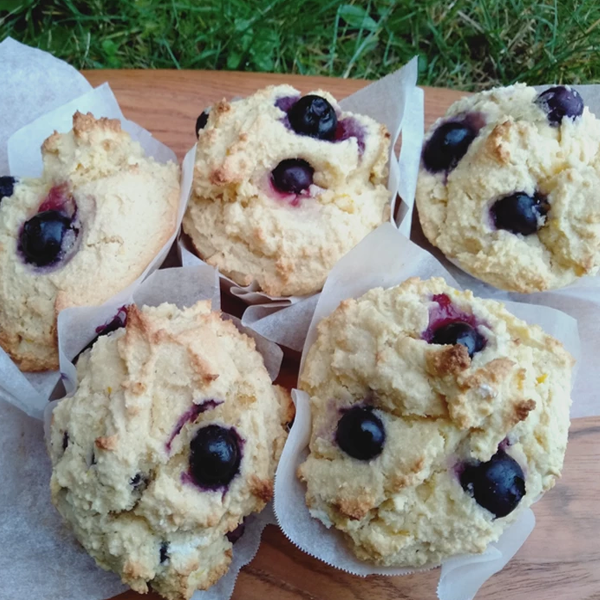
pixel 462 44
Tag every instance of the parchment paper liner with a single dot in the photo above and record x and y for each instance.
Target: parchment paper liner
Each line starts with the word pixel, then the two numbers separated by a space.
pixel 30 391
pixel 31 523
pixel 398 103
pixel 386 258
pixel 35 83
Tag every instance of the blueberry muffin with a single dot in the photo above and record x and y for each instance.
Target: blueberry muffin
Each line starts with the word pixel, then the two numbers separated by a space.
pixel 437 418
pixel 81 233
pixel 507 187
pixel 170 440
pixel 284 185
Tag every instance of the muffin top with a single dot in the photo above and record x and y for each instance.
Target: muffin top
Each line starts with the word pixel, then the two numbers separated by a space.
pixel 171 439
pixel 507 187
pixel 437 417
pixel 284 186
pixel 84 231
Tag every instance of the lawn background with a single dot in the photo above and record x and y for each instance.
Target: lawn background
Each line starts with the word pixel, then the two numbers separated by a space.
pixel 462 44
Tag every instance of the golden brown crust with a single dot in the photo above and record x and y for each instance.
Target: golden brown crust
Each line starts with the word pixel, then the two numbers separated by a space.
pixel 219 176
pixel 134 570
pixel 355 508
pixel 85 123
pixel 222 107
pixel 50 144
pixel 288 408
pixel 493 372
pixel 261 488
pixel 107 442
pixel 522 409
pixel 496 142
pixel 27 361
pixel 450 360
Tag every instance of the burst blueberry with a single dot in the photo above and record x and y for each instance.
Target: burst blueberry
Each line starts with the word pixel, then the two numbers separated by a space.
pixel 292 176
pixel 519 212
pixel 43 237
pixel 7 186
pixel 215 456
pixel 312 115
pixel 360 433
pixel 497 485
pixel 448 144
pixel 459 332
pixel 559 102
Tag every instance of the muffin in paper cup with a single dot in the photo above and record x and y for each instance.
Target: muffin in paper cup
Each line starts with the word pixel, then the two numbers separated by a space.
pixel 507 185
pixel 276 244
pixel 79 328
pixel 58 220
pixel 87 229
pixel 374 285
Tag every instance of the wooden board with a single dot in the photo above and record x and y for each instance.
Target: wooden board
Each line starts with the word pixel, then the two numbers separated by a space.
pixel 561 559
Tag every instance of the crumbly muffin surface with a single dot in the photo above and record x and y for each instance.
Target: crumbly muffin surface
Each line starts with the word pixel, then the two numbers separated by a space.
pixel 513 201
pixel 170 440
pixel 81 233
pixel 409 433
pixel 287 241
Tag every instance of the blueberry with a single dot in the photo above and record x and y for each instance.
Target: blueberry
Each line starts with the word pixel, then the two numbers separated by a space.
pixel 7 186
pixel 65 441
pixel 215 456
pixel 118 321
pixel 313 116
pixel 41 239
pixel 164 552
pixel 237 533
pixel 498 485
pixel 459 332
pixel 360 433
pixel 292 176
pixel 448 144
pixel 201 121
pixel 139 482
pixel 559 102
pixel 519 212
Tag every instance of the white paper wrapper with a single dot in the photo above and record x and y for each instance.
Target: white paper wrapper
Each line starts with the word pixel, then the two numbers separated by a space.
pixel 38 555
pixel 24 157
pixel 384 259
pixel 27 98
pixel 34 83
pixel 396 102
pixel 580 300
pixel 48 556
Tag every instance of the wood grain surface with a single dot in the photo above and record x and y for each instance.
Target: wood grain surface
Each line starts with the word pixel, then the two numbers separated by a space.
pixel 560 560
